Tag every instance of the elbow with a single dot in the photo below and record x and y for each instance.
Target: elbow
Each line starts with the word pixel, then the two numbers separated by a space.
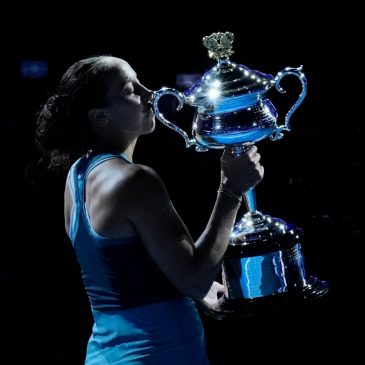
pixel 197 290
pixel 197 281
pixel 202 281
pixel 195 294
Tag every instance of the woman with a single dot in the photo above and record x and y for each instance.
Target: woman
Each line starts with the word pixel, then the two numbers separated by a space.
pixel 139 264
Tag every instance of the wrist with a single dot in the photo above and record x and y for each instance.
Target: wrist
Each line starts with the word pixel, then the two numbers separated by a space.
pixel 229 192
pixel 231 188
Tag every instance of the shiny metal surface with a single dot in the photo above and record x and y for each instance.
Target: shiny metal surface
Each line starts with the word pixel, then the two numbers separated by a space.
pixel 244 126
pixel 258 276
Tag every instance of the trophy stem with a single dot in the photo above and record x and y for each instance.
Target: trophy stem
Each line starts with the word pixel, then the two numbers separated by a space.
pixel 250 200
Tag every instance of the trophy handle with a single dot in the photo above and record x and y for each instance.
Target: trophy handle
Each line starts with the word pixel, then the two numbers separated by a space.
pixel 156 97
pixel 296 72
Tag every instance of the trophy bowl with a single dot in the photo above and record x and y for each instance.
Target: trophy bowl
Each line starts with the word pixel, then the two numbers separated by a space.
pixel 263 267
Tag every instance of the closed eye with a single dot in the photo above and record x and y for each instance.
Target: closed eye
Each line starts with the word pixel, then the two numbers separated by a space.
pixel 128 89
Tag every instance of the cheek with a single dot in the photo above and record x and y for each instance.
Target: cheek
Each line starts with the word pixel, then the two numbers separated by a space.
pixel 127 116
pixel 123 113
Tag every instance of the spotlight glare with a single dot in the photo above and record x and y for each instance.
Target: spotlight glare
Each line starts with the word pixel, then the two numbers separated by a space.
pixel 213 93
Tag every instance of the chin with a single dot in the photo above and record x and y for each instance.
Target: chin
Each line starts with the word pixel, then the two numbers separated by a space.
pixel 152 128
pixel 150 125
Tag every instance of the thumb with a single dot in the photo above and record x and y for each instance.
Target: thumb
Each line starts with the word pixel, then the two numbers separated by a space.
pixel 219 287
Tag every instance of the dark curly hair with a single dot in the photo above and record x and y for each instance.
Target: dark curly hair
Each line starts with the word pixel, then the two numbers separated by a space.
pixel 63 132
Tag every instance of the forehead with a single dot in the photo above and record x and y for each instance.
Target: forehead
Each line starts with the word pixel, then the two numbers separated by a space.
pixel 121 69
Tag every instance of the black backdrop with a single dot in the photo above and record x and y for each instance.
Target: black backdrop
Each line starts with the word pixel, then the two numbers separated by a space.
pixel 312 176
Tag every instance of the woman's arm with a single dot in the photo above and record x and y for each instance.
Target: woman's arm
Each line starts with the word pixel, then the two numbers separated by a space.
pixel 142 199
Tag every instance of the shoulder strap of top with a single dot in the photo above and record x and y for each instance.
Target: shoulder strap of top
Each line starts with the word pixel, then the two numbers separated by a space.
pixel 78 174
pixel 83 168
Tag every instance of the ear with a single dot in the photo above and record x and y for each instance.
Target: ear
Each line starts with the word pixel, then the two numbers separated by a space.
pixel 97 116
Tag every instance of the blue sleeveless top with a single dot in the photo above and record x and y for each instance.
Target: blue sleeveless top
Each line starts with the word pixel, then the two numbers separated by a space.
pixel 140 317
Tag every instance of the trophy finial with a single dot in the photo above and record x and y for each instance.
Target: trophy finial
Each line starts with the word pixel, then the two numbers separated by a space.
pixel 219 44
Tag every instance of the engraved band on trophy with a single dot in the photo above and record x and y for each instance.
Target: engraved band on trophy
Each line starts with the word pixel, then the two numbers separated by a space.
pixel 263 266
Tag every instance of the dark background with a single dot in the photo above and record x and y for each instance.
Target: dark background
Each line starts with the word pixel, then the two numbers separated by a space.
pixel 312 176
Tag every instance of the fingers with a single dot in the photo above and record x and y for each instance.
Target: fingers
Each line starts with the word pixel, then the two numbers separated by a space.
pixel 256 158
pixel 241 172
pixel 261 172
pixel 218 287
pixel 227 155
pixel 252 150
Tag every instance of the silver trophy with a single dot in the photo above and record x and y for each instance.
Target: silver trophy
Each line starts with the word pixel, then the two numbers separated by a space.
pixel 263 267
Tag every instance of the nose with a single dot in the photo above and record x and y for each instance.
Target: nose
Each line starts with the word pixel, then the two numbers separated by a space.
pixel 146 94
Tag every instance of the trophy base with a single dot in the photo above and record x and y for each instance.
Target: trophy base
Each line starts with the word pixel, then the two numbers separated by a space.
pixel 240 308
pixel 263 269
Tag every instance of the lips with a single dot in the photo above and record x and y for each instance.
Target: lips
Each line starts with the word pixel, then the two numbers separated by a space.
pixel 149 107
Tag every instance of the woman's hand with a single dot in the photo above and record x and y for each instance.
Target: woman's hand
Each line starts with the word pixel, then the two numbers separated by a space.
pixel 241 173
pixel 210 301
pixel 213 304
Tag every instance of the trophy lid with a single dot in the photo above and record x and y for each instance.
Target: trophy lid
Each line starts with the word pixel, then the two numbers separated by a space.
pixel 227 81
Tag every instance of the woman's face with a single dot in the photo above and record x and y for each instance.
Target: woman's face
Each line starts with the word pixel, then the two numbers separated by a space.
pixel 129 108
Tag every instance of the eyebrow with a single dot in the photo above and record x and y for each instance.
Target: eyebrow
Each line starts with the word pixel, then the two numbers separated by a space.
pixel 129 79
pixel 126 80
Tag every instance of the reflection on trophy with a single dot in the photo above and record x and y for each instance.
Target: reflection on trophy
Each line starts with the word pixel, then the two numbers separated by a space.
pixel 263 267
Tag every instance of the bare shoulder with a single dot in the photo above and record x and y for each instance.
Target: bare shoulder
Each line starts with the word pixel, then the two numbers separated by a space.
pixel 128 183
pixel 142 183
pixel 146 176
pixel 141 194
pixel 118 194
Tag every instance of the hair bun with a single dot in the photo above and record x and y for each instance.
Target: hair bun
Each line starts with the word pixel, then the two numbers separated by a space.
pixel 52 104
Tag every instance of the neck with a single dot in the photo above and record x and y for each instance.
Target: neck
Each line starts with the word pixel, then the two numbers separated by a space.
pixel 128 152
pixel 126 148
